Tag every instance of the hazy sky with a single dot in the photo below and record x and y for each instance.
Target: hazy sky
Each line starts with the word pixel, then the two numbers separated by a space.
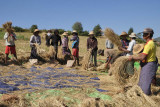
pixel 119 15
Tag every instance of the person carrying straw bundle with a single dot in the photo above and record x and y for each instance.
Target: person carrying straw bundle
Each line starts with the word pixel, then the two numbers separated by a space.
pixel 10 38
pixel 35 40
pixel 148 61
pixel 55 39
pixel 75 46
pixel 92 44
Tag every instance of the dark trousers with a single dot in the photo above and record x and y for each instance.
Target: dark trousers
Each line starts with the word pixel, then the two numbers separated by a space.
pixel 94 54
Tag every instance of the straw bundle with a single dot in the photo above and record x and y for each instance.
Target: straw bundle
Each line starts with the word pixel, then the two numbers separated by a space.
pixel 39 50
pixel 119 69
pixel 86 59
pixel 51 52
pixel 8 27
pixel 2 57
pixel 60 54
pixel 109 33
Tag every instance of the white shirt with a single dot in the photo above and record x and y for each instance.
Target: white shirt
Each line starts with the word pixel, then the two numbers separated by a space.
pixel 130 47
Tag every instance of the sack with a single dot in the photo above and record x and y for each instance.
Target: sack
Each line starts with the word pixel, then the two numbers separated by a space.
pixel 70 63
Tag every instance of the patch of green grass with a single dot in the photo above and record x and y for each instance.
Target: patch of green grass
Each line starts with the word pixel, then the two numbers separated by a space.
pixel 1 35
pixel 22 37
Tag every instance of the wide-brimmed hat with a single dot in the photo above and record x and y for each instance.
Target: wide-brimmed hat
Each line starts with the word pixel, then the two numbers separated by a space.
pixel 91 33
pixel 133 35
pixel 148 30
pixel 138 48
pixel 124 34
pixel 65 34
pixel 36 30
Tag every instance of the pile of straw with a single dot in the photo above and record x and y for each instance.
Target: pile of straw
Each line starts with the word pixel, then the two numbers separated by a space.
pixel 118 69
pixel 134 97
pixel 2 58
pixel 109 33
pixel 86 60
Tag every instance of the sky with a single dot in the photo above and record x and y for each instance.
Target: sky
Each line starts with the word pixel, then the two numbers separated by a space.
pixel 120 15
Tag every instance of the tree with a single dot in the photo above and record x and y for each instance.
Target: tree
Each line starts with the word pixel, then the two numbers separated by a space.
pixel 130 31
pixel 33 27
pixel 97 30
pixel 78 27
pixel 61 31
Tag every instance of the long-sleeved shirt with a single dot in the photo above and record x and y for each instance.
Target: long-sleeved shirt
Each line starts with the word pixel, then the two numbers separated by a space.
pixel 12 39
pixel 35 39
pixel 55 39
pixel 92 43
pixel 130 47
pixel 65 42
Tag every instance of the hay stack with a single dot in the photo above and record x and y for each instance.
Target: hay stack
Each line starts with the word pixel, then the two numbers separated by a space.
pixel 118 69
pixel 109 33
pixel 2 57
pixel 133 98
pixel 86 59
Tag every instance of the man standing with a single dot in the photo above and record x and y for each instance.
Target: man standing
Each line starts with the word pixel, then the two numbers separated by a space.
pixel 10 37
pixel 92 44
pixel 124 40
pixel 75 46
pixel 148 62
pixel 55 39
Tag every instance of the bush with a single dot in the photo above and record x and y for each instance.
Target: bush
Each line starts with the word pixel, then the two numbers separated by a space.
pixel 85 33
pixel 18 29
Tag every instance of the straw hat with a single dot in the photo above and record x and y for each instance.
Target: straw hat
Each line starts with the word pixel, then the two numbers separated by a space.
pixel 133 35
pixel 36 30
pixel 91 33
pixel 65 34
pixel 124 34
pixel 138 48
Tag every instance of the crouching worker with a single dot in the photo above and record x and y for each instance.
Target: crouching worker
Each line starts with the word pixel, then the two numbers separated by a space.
pixel 111 55
pixel 35 40
pixel 10 37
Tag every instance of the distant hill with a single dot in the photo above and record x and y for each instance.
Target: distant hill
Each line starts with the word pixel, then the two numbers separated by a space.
pixel 157 39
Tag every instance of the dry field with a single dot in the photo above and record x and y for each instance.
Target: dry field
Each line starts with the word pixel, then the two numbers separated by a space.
pixel 54 85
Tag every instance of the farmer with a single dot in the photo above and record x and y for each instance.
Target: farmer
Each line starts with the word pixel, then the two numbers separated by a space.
pixel 109 44
pixel 75 46
pixel 111 55
pixel 48 35
pixel 124 40
pixel 35 40
pixel 10 45
pixel 129 51
pixel 65 47
pixel 55 39
pixel 148 62
pixel 92 44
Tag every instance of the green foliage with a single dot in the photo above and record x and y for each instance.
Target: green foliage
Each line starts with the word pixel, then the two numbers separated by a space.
pixel 2 35
pixel 61 31
pixel 1 29
pixel 78 27
pixel 85 33
pixel 69 32
pixel 22 37
pixel 97 30
pixel 18 29
pixel 130 31
pixel 139 40
pixel 33 27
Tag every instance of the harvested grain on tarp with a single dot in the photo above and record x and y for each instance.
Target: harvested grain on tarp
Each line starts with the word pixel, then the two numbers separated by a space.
pixel 86 59
pixel 109 33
